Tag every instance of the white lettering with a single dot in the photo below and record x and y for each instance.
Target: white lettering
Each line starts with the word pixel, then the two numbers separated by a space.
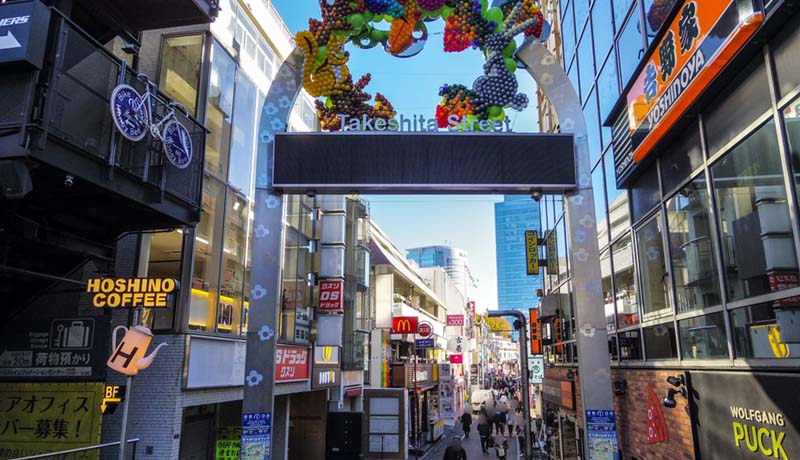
pixel 14 21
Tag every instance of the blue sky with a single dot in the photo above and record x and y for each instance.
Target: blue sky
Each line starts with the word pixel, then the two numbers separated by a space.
pixel 412 85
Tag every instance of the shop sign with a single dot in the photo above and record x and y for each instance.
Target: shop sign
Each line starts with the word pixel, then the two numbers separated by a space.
pixel 536 341
pixel 326 355
pixel 130 292
pixel 228 445
pixel 779 281
pixel 62 349
pixel 457 344
pixel 746 415
pixel 656 423
pixel 112 396
pixel 326 377
pixel 291 363
pixel 424 329
pixel 45 417
pixel 423 344
pixel 601 431
pixel 331 295
pixel 552 253
pixel 455 320
pixel 694 49
pixel 404 324
pixel 532 251
pixel 536 367
pixel 456 359
pixel 445 374
pixel 559 392
pixel 23 32
pixel 447 397
pixel 256 436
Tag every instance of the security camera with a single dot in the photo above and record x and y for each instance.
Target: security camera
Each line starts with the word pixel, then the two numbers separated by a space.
pixel 68 180
pixel 536 196
pixel 669 400
pixel 676 381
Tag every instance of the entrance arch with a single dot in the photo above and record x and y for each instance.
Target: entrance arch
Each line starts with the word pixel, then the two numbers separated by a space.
pixel 592 342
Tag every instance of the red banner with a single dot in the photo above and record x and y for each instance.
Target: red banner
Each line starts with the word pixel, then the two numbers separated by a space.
pixel 292 363
pixel 536 342
pixel 331 295
pixel 455 320
pixel 656 425
pixel 404 325
pixel 456 359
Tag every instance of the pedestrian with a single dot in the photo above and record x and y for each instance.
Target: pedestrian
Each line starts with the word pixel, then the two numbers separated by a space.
pixel 510 422
pixel 454 451
pixel 501 446
pixel 485 432
pixel 499 422
pixel 466 423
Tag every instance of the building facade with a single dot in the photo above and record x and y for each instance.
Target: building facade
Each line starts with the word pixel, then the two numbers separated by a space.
pixel 516 290
pixel 455 262
pixel 697 224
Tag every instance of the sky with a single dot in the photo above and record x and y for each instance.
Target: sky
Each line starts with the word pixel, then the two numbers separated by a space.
pixel 411 85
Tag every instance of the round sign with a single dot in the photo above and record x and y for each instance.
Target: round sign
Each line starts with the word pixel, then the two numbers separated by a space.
pixel 424 329
pixel 177 144
pixel 129 112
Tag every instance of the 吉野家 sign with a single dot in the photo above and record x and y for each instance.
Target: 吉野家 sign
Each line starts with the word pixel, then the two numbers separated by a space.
pixel 291 363
pixel 532 251
pixel 130 292
pixel 331 295
pixel 455 320
pixel 404 324
pixel 695 48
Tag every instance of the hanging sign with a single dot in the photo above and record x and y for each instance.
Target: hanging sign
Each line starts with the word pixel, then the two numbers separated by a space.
pixel 424 329
pixel 552 253
pixel 112 396
pixel 702 38
pixel 23 33
pixel 130 292
pixel 532 251
pixel 326 355
pixel 536 340
pixel 456 359
pixel 404 324
pixel 455 320
pixel 656 424
pixel 331 295
pixel 457 344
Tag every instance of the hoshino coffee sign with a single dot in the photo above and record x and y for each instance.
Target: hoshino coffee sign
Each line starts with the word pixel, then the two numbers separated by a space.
pixel 130 292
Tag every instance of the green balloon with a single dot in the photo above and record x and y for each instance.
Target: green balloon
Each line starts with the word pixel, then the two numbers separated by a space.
pixel 511 64
pixel 357 21
pixel 322 52
pixel 510 49
pixel 379 35
pixel 495 111
pixel 368 16
pixel 446 12
pixel 494 14
pixel 328 102
pixel 484 6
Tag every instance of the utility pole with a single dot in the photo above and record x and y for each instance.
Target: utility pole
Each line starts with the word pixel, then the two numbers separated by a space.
pixel 523 357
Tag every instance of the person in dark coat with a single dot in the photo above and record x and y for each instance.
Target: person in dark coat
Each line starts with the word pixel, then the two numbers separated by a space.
pixel 499 422
pixel 466 423
pixel 485 432
pixel 454 451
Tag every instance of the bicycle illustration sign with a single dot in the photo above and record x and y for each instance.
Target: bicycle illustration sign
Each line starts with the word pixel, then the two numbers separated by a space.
pixel 133 117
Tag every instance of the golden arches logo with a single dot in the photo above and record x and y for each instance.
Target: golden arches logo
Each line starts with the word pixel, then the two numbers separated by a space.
pixel 403 325
pixel 779 349
pixel 327 353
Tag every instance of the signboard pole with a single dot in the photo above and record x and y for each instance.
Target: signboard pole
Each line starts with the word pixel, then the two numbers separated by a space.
pixel 124 429
pixel 417 419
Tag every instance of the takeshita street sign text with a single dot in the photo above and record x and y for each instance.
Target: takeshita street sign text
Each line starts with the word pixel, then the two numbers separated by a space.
pixel 419 123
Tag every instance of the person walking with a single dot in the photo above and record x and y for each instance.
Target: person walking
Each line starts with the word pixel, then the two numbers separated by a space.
pixel 466 422
pixel 501 446
pixel 499 422
pixel 455 451
pixel 485 432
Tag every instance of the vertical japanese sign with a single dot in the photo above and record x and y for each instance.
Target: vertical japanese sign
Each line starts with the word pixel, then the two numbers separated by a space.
pixel 532 251
pixel 601 432
pixel 552 253
pixel 447 400
pixel 256 436
pixel 331 295
pixel 45 417
pixel 536 342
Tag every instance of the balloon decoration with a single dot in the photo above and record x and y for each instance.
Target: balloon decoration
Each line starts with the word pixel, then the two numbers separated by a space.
pixel 399 27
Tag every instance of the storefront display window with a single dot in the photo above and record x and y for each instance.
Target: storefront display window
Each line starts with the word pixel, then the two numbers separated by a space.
pixel 681 159
pixel 703 337
pixel 758 244
pixel 659 342
pixel 627 308
pixel 653 275
pixel 630 345
pixel 645 193
pixel 768 330
pixel 230 314
pixel 220 111
pixel 692 248
pixel 207 256
pixel 243 136
pixel 608 292
pixel 180 69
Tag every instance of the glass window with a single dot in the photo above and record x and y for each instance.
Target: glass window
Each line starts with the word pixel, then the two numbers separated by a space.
pixel 758 245
pixel 230 314
pixel 603 29
pixel 207 256
pixel 768 330
pixel 573 77
pixel 659 342
pixel 608 292
pixel 613 351
pixel 581 8
pixel 692 248
pixel 598 188
pixel 644 193
pixel 563 255
pixel 621 8
pixel 180 69
pixel 568 37
pixel 785 50
pixel 630 345
pixel 653 276
pixel 737 107
pixel 703 337
pixel 243 137
pixel 220 110
pixel 656 12
pixel 791 115
pixel 586 62
pixel 592 127
pixel 618 212
pixel 624 284
pixel 631 48
pixel 296 293
pixel 608 87
pixel 164 261
pixel 681 159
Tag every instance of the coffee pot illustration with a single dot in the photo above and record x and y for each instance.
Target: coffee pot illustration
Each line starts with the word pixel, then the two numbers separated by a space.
pixel 128 357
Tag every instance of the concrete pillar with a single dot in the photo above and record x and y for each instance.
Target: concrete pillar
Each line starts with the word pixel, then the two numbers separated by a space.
pixel 280 428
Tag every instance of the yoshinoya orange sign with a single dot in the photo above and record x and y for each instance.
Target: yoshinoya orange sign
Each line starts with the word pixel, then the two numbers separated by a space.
pixel 700 41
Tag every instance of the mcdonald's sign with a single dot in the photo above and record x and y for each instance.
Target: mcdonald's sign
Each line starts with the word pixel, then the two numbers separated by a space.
pixel 404 325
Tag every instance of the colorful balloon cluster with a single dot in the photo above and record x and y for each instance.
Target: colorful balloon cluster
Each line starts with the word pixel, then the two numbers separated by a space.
pixel 468 24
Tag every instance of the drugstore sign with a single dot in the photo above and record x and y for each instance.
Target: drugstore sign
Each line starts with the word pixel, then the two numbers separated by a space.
pixel 699 42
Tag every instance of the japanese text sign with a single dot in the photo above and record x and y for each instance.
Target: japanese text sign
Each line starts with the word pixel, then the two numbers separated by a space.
pixel 455 320
pixel 331 295
pixel 292 363
pixel 130 292
pixel 695 47
pixel 536 342
pixel 601 431
pixel 532 251
pixel 256 436
pixel 424 343
pixel 45 417
pixel 456 359
pixel 404 325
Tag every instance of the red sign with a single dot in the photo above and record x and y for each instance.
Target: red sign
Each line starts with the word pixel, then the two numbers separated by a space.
pixel 404 325
pixel 778 281
pixel 455 320
pixel 656 425
pixel 456 359
pixel 292 363
pixel 331 295
pixel 424 329
pixel 536 343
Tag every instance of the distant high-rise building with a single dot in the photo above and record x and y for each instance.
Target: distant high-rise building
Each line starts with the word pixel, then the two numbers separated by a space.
pixel 516 290
pixel 453 260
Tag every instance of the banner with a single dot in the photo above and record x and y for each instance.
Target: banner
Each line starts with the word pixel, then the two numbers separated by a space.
pixel 447 400
pixel 455 320
pixel 532 251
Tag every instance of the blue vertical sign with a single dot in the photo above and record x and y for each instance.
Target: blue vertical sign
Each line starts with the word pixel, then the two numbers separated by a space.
pixel 601 431
pixel 256 436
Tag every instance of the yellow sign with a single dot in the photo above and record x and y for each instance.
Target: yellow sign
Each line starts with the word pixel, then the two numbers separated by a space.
pixel 532 251
pixel 130 292
pixel 38 418
pixel 112 395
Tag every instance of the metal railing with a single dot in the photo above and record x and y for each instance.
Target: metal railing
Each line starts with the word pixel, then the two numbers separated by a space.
pixel 63 453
